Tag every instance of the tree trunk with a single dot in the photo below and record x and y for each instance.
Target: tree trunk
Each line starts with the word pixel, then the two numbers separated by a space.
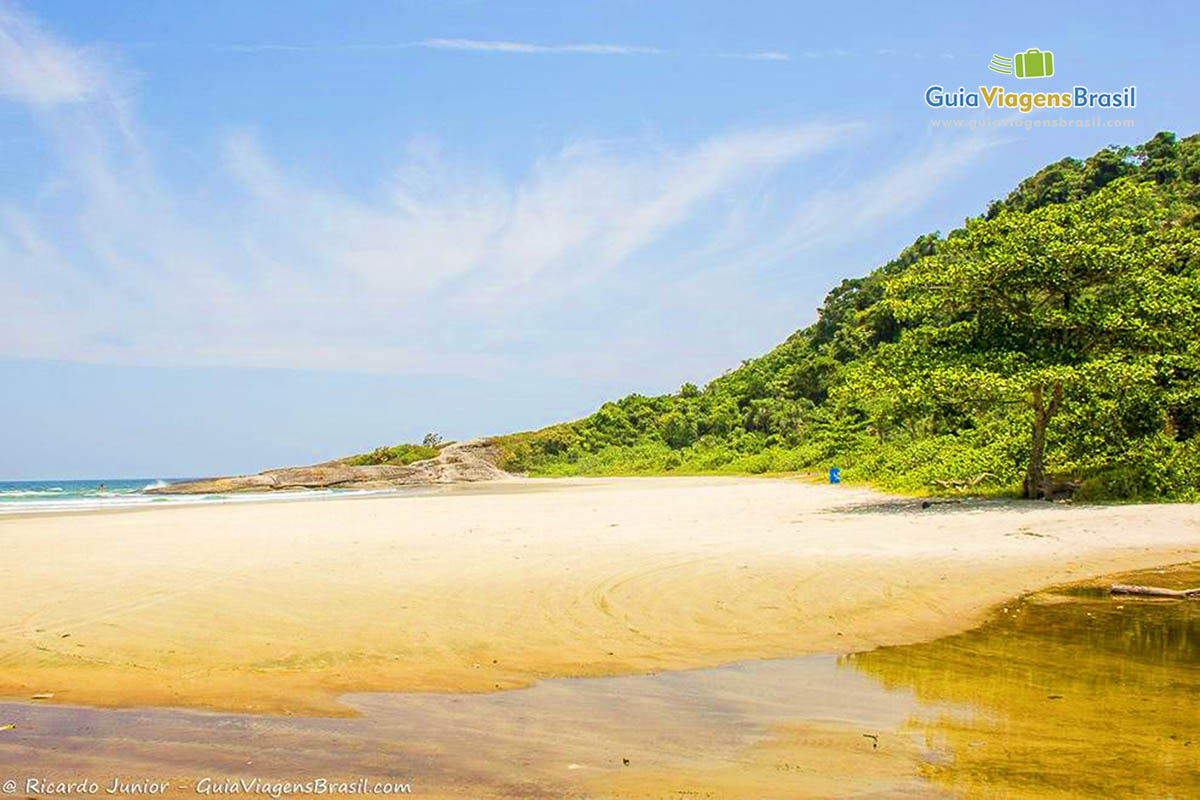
pixel 1035 474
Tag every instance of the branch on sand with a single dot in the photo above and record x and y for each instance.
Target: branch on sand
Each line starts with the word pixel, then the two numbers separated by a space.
pixel 960 484
pixel 1155 591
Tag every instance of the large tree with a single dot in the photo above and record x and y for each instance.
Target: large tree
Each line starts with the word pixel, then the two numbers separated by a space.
pixel 1043 308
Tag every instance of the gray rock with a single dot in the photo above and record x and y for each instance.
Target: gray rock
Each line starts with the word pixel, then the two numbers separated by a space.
pixel 462 462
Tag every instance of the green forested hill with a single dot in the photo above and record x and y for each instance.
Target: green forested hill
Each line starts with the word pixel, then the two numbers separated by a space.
pixel 1055 337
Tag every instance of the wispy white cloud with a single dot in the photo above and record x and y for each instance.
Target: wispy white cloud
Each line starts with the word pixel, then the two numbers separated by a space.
pixel 36 69
pixel 845 211
pixel 533 48
pixel 490 46
pixel 888 51
pixel 465 45
pixel 764 55
pixel 441 267
pixel 265 47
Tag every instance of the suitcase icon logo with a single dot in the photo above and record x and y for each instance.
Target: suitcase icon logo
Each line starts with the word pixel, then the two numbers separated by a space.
pixel 1033 63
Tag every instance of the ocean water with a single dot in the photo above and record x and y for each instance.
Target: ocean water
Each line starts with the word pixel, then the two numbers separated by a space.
pixel 21 497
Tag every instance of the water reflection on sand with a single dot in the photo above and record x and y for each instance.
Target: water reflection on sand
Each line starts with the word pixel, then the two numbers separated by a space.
pixel 1062 695
pixel 556 737
pixel 1078 694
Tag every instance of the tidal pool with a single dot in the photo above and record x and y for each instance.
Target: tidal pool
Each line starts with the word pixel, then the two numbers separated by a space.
pixel 1063 694
pixel 1074 694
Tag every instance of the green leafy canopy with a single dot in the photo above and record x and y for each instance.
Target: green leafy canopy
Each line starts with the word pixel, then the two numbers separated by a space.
pixel 1054 335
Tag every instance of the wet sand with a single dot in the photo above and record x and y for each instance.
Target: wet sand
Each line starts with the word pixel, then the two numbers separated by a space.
pixel 282 608
pixel 1021 707
pixel 750 729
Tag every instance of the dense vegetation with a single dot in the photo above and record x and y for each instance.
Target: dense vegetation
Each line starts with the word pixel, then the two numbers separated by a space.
pixel 398 455
pixel 1053 338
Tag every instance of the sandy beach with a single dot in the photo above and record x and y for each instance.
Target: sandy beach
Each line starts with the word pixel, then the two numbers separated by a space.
pixel 281 608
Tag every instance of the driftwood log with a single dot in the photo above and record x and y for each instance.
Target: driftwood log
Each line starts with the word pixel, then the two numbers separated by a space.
pixel 961 484
pixel 1154 591
pixel 1050 489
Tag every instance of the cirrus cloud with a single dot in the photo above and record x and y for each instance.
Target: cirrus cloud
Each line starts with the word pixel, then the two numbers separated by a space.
pixel 622 249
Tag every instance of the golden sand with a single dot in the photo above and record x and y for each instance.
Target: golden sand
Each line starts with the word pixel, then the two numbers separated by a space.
pixel 282 607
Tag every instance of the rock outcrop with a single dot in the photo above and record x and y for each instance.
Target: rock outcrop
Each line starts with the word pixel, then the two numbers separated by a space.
pixel 462 462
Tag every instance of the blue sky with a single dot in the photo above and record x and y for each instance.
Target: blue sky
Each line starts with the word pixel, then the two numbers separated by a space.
pixel 234 236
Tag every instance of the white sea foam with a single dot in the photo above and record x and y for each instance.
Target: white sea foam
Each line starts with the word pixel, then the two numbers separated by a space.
pixel 94 500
